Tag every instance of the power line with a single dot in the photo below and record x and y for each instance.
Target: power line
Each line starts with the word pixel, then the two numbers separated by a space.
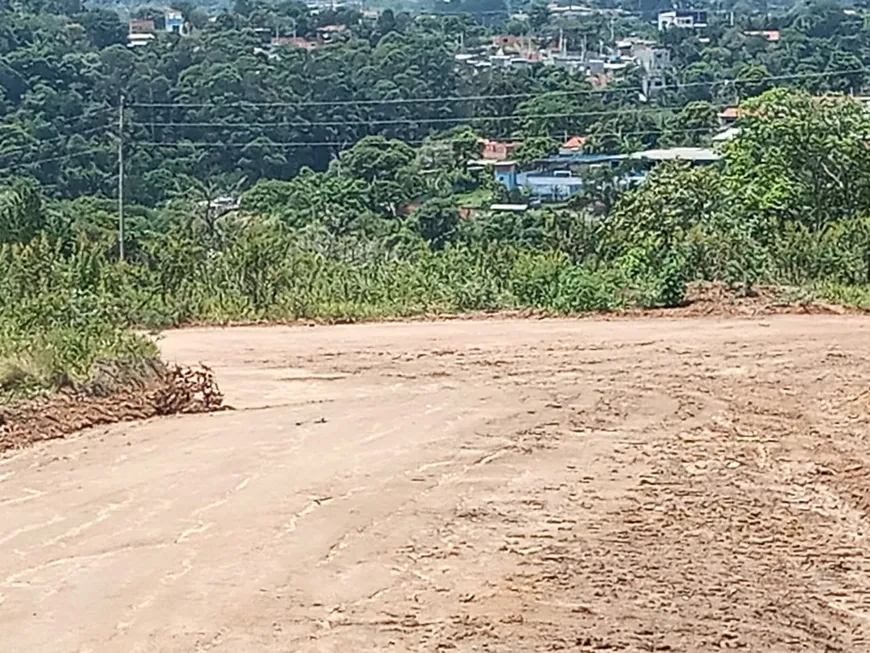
pixel 62 157
pixel 206 144
pixel 41 143
pixel 293 144
pixel 65 122
pixel 460 119
pixel 488 12
pixel 473 98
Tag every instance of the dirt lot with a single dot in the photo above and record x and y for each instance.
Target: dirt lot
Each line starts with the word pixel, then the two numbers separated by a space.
pixel 627 485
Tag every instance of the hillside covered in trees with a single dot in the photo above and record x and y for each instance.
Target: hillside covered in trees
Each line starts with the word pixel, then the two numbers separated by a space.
pixel 224 104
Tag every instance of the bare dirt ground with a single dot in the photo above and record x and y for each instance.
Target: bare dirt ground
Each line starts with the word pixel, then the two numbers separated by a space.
pixel 627 485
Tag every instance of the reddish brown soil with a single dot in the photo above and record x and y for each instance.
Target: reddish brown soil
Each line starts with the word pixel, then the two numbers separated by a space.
pixel 626 485
pixel 164 392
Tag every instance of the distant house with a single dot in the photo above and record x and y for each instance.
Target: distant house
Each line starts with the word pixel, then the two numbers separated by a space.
pixel 728 134
pixel 506 174
pixel 497 150
pixel 293 42
pixel 570 11
pixel 577 63
pixel 682 19
pixel 329 33
pixel 554 186
pixel 141 33
pixel 562 175
pixel 511 43
pixel 651 59
pixel 142 26
pixel 729 115
pixel 626 47
pixel 174 21
pixel 772 35
pixel 573 145
pixel 509 208
pixel 654 61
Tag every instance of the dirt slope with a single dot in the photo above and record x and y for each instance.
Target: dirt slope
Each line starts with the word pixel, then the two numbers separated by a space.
pixel 629 485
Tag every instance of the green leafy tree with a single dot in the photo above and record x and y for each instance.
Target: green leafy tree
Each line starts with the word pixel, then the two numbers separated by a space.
pixel 800 159
pixel 535 148
pixel 437 221
pixel 103 27
pixel 539 15
pixel 691 125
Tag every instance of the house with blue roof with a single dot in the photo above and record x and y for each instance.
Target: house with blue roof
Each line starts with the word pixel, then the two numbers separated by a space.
pixel 558 177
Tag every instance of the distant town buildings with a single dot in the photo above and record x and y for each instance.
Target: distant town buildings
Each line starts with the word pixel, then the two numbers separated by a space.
pixel 598 66
pixel 583 11
pixel 293 42
pixel 682 19
pixel 271 43
pixel 142 32
pixel 514 44
pixel 543 184
pixel 558 177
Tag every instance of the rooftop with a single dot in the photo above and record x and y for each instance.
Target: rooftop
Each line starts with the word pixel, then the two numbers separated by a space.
pixel 728 135
pixel 509 207
pixel 537 178
pixel 678 153
pixel 579 157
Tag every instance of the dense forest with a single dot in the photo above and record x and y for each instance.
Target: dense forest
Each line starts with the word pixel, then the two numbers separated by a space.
pixel 349 161
pixel 214 106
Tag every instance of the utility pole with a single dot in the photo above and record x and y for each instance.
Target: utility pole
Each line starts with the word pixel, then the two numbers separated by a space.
pixel 121 179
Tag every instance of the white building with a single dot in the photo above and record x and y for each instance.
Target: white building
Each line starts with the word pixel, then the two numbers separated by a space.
pixel 681 19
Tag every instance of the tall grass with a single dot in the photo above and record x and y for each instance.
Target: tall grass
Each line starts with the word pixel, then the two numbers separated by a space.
pixel 65 311
pixel 274 280
pixel 66 308
pixel 60 317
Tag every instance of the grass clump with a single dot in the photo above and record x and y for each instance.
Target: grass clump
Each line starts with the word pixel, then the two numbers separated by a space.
pixel 59 320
